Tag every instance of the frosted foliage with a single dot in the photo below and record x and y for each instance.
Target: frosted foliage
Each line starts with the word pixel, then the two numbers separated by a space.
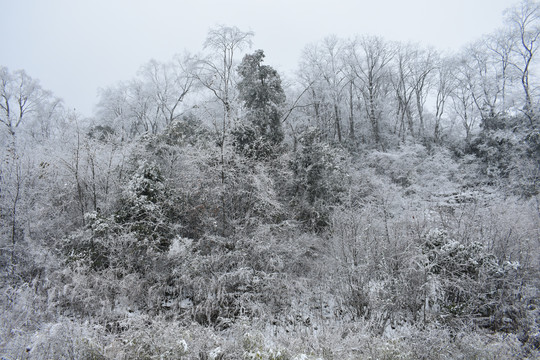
pixel 180 247
pixel 144 187
pixel 215 353
pixel 382 203
pixel 415 169
pixel 265 191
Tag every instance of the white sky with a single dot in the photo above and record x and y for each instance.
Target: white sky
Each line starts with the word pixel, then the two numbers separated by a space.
pixel 77 46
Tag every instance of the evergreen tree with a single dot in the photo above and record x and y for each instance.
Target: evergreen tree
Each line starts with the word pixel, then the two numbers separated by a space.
pixel 262 96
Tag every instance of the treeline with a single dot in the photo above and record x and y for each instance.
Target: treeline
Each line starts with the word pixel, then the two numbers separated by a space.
pixel 382 203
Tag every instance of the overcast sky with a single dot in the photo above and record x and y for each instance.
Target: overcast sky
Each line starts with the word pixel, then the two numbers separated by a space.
pixel 77 46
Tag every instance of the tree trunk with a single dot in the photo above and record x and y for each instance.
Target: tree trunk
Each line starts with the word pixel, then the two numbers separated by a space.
pixel 351 113
pixel 337 121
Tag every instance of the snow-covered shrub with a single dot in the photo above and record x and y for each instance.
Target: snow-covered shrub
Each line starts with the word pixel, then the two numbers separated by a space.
pixel 147 338
pixel 318 179
pixel 256 348
pixel 65 339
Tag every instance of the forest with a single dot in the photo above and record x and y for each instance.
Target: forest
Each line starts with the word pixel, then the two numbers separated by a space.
pixel 382 202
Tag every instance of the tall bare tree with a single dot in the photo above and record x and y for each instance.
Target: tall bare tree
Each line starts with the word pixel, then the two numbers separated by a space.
pixel 501 46
pixel 404 84
pixel 23 104
pixel 20 98
pixel 463 98
pixel 524 20
pixel 325 64
pixel 371 57
pixel 486 80
pixel 170 83
pixel 216 71
pixel 424 67
pixel 445 84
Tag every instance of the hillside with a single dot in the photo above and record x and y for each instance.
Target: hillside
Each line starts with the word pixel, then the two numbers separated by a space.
pixel 383 204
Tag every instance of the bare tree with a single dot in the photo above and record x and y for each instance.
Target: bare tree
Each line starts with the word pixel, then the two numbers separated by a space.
pixel 129 108
pixel 424 66
pixel 170 83
pixel 485 80
pixel 216 71
pixel 501 46
pixel 412 72
pixel 524 20
pixel 20 97
pixel 462 95
pixel 444 88
pixel 12 181
pixel 324 64
pixel 142 106
pixel 371 57
pixel 316 104
pixel 22 102
pixel 404 87
pixel 112 110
